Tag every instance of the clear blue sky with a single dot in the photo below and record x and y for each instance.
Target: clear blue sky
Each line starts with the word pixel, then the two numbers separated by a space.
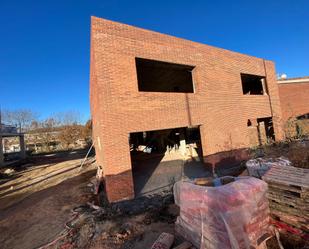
pixel 44 45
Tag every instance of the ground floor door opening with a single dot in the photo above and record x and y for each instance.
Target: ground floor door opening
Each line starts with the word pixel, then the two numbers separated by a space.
pixel 266 132
pixel 160 158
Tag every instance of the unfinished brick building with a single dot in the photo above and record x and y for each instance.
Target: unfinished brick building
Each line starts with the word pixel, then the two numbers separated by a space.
pixel 294 99
pixel 152 93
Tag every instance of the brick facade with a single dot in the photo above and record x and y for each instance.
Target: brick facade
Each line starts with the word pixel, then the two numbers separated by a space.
pixel 294 97
pixel 217 105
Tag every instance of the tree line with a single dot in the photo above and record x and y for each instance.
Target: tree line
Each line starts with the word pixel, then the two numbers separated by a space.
pixel 63 128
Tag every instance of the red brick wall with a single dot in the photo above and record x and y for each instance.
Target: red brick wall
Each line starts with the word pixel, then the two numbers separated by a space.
pixel 294 98
pixel 218 104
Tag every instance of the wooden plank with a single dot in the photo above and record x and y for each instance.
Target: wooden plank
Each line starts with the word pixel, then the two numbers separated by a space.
pixel 287 173
pixel 289 210
pixel 289 176
pixel 291 169
pixel 291 218
pixel 300 179
pixel 289 191
pixel 302 226
pixel 286 192
pixel 272 185
pixel 300 207
pixel 297 181
pixel 287 199
pixel 286 181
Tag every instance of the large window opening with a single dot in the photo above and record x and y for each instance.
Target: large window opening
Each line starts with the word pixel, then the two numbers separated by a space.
pixel 158 76
pixel 161 157
pixel 253 84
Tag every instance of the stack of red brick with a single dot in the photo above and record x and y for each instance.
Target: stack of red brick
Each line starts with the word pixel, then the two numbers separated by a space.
pixel 235 215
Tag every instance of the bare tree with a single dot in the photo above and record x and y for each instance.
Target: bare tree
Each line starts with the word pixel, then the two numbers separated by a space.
pixel 34 125
pixel 69 134
pixel 8 117
pixel 48 134
pixel 87 131
pixel 70 128
pixel 21 118
pixel 67 118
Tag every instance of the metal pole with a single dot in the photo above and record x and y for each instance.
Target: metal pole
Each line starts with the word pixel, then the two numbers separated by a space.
pixel 1 151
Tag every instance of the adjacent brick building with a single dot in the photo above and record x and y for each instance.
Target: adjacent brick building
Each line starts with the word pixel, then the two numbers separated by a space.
pixel 294 97
pixel 230 96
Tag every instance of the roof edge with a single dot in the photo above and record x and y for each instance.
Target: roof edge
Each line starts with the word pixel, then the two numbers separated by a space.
pixel 304 79
pixel 100 19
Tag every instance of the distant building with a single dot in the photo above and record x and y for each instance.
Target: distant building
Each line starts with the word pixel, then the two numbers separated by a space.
pixel 294 97
pixel 9 131
pixel 294 100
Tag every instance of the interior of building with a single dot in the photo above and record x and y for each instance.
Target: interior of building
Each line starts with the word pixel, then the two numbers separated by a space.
pixel 161 157
pixel 159 76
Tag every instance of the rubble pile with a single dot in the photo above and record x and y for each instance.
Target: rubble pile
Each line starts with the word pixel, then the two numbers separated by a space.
pixel 235 215
pixel 113 225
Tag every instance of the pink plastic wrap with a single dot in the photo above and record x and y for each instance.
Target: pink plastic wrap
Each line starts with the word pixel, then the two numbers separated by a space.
pixel 232 216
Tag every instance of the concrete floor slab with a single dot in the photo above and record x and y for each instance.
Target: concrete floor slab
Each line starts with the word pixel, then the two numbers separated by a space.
pixel 154 174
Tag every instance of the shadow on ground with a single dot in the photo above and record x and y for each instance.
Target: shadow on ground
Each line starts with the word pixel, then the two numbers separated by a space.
pixel 37 219
pixel 152 174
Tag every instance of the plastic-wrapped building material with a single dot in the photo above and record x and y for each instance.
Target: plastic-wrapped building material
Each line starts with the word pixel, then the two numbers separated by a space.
pixel 259 166
pixel 231 216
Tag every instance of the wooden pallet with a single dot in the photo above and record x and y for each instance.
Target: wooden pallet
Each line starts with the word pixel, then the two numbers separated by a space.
pixel 289 192
pixel 294 221
pixel 288 209
pixel 295 179
pixel 297 203
pixel 288 195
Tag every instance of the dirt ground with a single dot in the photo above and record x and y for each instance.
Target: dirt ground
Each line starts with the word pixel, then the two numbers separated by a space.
pixel 138 232
pixel 107 228
pixel 37 198
pixel 45 201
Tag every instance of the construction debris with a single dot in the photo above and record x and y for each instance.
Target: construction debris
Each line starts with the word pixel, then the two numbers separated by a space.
pixel 9 171
pixel 165 241
pixel 206 181
pixel 259 166
pixel 223 217
pixel 288 192
pixel 184 245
